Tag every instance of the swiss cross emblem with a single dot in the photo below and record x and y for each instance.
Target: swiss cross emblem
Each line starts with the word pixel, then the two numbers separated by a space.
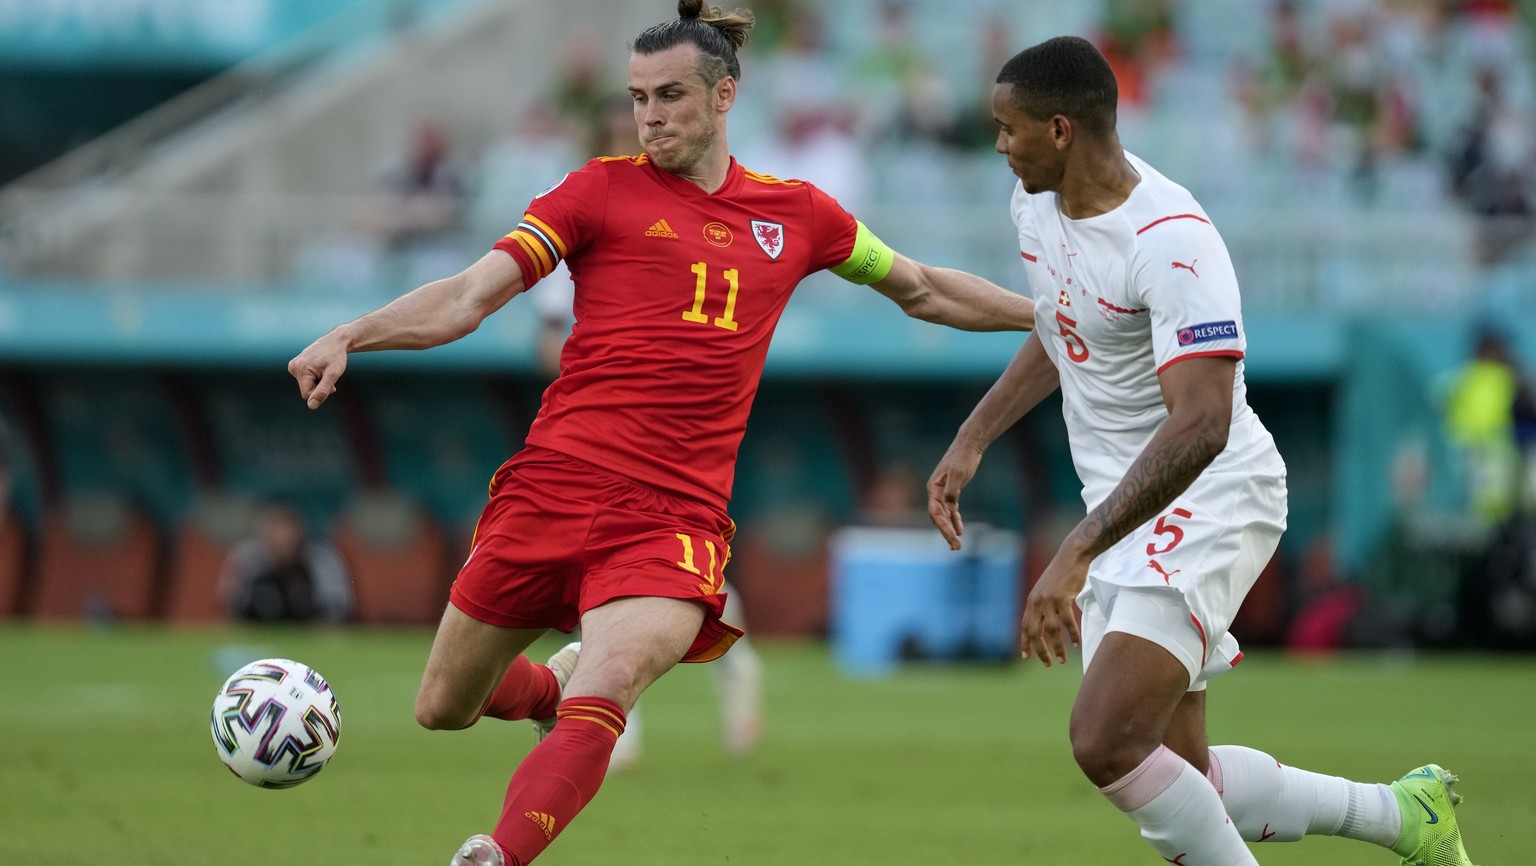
pixel 769 236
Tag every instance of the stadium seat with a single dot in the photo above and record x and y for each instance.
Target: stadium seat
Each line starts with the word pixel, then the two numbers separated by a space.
pixel 397 557
pixel 203 541
pixel 13 564
pixel 99 559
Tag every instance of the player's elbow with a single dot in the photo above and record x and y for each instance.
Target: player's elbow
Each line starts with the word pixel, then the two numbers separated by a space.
pixel 925 306
pixel 1213 431
pixel 462 317
pixel 1202 431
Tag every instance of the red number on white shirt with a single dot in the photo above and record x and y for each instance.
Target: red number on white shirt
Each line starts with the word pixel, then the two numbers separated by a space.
pixel 1077 350
pixel 1174 533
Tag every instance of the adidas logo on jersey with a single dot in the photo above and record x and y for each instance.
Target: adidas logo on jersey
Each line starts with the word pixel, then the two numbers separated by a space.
pixel 661 229
pixel 545 822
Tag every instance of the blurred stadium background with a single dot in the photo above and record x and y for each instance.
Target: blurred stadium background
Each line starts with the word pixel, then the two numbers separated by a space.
pixel 192 190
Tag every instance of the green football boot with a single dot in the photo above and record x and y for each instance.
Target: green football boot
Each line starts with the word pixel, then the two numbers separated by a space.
pixel 1430 836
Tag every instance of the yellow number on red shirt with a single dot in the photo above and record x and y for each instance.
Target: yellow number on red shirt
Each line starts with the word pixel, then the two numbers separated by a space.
pixel 700 289
pixel 715 581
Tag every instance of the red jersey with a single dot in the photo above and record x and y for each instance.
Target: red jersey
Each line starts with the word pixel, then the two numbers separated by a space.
pixel 677 295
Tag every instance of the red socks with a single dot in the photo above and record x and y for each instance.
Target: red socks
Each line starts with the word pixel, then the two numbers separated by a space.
pixel 528 691
pixel 559 777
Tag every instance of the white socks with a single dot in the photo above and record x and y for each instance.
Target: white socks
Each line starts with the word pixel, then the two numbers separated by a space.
pixel 1179 812
pixel 1269 802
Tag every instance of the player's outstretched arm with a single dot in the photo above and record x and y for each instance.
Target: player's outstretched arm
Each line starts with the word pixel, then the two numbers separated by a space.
pixel 436 313
pixel 946 296
pixel 1029 378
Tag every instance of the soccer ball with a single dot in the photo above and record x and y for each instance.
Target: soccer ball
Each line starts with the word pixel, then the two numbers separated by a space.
pixel 275 723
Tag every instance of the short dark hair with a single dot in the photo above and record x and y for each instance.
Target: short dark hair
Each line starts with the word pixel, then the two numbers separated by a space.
pixel 716 34
pixel 1065 75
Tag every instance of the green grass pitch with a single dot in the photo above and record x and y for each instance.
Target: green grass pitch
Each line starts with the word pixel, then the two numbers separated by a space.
pixel 105 756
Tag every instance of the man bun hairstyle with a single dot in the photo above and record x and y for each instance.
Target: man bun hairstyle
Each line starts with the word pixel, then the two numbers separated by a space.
pixel 1067 76
pixel 716 34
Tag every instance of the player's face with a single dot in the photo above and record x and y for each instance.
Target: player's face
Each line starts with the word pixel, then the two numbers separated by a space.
pixel 1033 147
pixel 681 117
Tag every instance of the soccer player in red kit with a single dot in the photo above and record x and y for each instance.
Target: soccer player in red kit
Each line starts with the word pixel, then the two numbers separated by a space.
pixel 613 516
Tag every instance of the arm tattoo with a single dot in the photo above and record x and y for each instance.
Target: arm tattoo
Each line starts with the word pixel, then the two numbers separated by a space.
pixel 1159 474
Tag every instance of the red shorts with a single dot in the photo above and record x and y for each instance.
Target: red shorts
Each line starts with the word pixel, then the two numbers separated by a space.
pixel 561 536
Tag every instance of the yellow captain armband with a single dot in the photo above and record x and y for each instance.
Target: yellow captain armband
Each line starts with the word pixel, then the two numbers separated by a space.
pixel 870 261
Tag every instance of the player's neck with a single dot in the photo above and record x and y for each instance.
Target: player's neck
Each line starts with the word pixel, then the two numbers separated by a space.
pixel 710 172
pixel 1101 181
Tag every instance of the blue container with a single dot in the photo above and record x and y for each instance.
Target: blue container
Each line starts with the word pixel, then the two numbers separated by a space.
pixel 902 594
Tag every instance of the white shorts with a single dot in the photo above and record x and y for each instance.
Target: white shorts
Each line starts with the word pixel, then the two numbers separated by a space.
pixel 1178 579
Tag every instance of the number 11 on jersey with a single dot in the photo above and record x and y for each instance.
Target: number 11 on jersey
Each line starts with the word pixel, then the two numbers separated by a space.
pixel 700 289
pixel 713 574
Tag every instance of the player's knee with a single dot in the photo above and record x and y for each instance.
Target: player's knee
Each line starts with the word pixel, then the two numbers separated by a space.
pixel 437 715
pixel 1107 751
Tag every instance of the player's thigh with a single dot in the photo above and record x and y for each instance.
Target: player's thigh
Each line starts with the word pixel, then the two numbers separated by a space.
pixel 1186 733
pixel 467 662
pixel 1131 691
pixel 1134 685
pixel 627 643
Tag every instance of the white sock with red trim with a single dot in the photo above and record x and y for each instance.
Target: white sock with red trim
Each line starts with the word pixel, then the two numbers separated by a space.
pixel 1270 802
pixel 1179 812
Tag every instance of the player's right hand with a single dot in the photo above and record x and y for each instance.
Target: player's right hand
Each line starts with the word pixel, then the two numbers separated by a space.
pixel 318 367
pixel 955 470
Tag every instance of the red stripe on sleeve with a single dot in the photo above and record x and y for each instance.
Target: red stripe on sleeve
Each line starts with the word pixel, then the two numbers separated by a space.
pixel 1224 353
pixel 1028 257
pixel 1182 216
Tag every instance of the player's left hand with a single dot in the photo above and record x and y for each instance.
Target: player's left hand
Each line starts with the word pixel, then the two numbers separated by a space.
pixel 955 470
pixel 1050 612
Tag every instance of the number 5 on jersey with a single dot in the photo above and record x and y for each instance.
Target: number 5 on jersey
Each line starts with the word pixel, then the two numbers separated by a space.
pixel 1168 530
pixel 1077 350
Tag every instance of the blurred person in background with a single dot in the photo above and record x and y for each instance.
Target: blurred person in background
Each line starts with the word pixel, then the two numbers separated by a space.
pixel 408 226
pixel 538 143
pixel 1185 488
pixel 284 574
pixel 613 515
pixel 421 204
pixel 1480 401
pixel 1493 171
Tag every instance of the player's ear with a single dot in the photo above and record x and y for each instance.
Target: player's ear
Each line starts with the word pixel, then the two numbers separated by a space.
pixel 725 93
pixel 1061 131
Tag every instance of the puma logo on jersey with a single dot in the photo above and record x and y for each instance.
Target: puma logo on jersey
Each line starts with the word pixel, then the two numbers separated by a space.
pixel 1189 267
pixel 545 822
pixel 660 229
pixel 1158 567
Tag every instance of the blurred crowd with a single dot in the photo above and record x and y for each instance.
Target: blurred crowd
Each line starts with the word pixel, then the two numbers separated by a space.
pixel 1388 106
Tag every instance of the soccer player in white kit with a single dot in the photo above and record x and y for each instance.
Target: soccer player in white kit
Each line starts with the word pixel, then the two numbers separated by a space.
pixel 1140 326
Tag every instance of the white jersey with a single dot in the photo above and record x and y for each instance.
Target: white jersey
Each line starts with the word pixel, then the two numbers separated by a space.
pixel 1121 296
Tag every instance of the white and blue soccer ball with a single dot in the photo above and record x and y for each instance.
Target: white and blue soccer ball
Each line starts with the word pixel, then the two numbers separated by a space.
pixel 275 723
